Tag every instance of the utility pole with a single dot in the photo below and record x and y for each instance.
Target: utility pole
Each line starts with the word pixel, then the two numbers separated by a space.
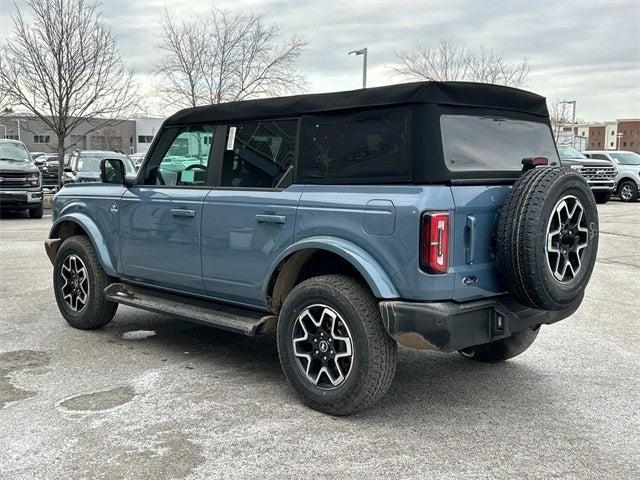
pixel 573 121
pixel 363 52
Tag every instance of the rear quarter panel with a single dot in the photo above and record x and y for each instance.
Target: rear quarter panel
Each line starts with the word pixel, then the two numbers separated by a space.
pixel 384 221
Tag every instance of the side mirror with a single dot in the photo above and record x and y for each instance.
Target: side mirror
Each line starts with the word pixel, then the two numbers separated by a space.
pixel 68 169
pixel 112 171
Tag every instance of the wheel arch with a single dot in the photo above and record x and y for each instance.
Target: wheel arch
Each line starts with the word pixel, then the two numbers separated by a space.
pixel 626 178
pixel 79 224
pixel 324 255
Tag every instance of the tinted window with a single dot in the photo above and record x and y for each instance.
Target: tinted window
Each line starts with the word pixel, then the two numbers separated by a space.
pixel 354 148
pixel 258 154
pixel 185 158
pixel 484 143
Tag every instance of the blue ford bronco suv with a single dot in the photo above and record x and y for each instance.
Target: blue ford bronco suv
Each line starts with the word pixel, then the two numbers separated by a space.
pixel 435 215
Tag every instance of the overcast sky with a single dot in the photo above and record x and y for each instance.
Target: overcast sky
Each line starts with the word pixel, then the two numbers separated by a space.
pixel 586 50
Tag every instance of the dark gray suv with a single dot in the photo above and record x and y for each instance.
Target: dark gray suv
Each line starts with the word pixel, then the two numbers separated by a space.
pixel 20 179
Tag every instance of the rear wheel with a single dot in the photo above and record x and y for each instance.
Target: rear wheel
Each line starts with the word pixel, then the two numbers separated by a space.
pixel 602 197
pixel 333 346
pixel 79 282
pixel 628 191
pixel 502 350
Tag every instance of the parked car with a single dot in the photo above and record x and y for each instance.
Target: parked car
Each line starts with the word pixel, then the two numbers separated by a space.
pixel 35 155
pixel 48 166
pixel 84 165
pixel 600 174
pixel 432 215
pixel 628 165
pixel 20 181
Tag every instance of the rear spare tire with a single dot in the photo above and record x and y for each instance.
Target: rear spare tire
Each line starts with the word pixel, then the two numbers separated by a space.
pixel 547 238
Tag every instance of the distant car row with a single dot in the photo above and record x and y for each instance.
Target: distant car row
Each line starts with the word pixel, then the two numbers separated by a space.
pixel 607 172
pixel 24 175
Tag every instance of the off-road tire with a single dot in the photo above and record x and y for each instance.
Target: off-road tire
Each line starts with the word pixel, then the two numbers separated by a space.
pixel 502 350
pixel 521 247
pixel 374 351
pixel 602 197
pixel 98 311
pixel 36 212
pixel 634 191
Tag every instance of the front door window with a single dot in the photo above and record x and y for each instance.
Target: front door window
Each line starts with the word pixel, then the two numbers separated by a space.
pixel 186 158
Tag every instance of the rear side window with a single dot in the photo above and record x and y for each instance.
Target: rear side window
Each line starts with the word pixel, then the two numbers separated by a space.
pixel 488 143
pixel 258 154
pixel 356 148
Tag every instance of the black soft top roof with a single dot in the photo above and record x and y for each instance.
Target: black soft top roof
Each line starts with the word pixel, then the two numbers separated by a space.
pixel 444 93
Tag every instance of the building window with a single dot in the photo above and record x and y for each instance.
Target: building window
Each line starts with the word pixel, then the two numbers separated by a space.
pixel 624 144
pixel 599 144
pixel 611 144
pixel 41 139
pixel 145 138
pixel 612 132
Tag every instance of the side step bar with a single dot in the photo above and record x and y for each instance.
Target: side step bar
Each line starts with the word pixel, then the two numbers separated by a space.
pixel 227 318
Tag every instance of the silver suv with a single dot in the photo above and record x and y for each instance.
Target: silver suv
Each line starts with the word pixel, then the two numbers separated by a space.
pixel 628 177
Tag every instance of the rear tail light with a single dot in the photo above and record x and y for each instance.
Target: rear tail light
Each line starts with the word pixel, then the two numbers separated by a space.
pixel 434 242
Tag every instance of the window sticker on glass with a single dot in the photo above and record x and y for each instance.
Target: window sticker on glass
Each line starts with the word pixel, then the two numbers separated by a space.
pixel 231 140
pixel 187 176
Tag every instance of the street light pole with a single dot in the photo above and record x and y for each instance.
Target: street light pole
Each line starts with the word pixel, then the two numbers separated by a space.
pixel 363 52
pixel 573 121
pixel 5 130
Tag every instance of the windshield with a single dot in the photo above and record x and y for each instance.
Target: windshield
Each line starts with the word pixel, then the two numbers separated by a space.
pixel 91 163
pixel 14 152
pixel 477 143
pixel 568 153
pixel 626 158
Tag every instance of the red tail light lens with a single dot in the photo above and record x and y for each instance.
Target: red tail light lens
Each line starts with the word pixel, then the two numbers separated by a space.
pixel 434 251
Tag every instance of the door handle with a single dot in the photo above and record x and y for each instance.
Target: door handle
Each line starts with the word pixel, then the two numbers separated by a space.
pixel 263 218
pixel 470 250
pixel 183 212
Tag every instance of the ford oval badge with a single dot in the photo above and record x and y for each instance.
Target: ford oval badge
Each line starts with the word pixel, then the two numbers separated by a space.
pixel 469 280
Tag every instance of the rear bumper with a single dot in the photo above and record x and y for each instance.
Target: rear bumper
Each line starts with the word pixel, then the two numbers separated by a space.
pixel 449 326
pixel 20 198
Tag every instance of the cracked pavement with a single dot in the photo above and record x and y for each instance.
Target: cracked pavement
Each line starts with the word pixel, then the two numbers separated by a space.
pixel 179 400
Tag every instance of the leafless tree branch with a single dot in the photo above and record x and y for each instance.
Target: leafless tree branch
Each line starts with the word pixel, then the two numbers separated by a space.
pixel 63 66
pixel 226 56
pixel 450 61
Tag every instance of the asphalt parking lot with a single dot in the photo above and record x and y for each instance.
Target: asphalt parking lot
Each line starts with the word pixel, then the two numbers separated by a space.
pixel 155 397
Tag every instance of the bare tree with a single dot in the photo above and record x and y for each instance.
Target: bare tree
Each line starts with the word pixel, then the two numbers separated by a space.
pixel 226 56
pixel 560 117
pixel 64 67
pixel 450 61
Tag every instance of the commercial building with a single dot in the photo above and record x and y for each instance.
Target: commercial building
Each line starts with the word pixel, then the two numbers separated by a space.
pixel 623 134
pixel 128 136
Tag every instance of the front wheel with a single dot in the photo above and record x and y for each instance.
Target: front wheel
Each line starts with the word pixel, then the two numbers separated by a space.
pixel 333 347
pixel 628 191
pixel 502 350
pixel 79 282
pixel 602 197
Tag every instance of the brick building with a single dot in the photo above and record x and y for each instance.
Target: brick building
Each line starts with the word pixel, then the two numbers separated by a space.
pixel 629 134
